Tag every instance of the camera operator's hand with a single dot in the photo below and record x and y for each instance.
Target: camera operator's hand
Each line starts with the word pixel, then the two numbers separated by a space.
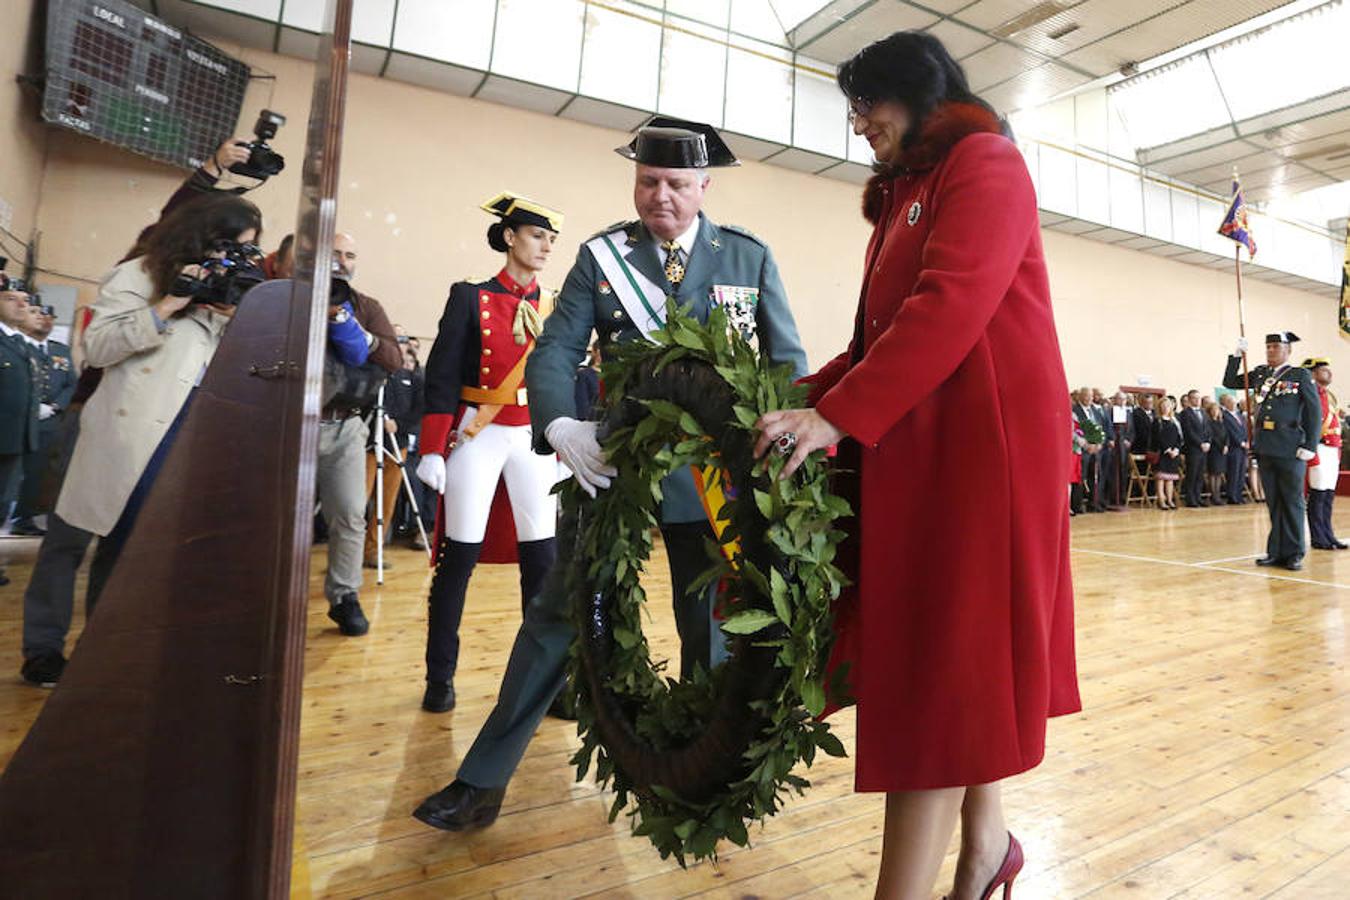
pixel 174 303
pixel 431 472
pixel 390 426
pixel 226 155
pixel 223 309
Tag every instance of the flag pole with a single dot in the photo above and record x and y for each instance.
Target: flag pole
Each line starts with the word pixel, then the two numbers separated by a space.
pixel 1242 331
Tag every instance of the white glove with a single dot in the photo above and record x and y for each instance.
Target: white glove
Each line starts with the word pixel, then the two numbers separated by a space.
pixel 1304 454
pixel 1241 346
pixel 431 471
pixel 45 411
pixel 580 451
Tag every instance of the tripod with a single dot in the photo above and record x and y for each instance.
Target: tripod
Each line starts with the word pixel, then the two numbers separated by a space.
pixel 382 452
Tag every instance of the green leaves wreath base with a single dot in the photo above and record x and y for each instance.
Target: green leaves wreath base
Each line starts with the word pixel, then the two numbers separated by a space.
pixel 695 760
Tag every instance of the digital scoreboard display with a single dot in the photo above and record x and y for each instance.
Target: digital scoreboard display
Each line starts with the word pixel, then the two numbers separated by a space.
pixel 118 74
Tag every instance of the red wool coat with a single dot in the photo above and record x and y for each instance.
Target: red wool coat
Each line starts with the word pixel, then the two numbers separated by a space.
pixel 959 632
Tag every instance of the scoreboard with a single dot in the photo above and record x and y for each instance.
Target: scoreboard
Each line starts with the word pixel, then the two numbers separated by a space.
pixel 116 73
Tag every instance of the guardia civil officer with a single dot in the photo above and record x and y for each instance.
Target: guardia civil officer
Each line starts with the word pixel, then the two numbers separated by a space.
pixel 1323 475
pixel 618 288
pixel 1285 436
pixel 476 429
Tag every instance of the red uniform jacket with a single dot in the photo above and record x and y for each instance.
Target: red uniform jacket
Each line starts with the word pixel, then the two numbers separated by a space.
pixel 959 632
pixel 476 347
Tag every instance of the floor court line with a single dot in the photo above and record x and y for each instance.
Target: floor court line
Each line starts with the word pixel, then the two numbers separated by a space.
pixel 1210 567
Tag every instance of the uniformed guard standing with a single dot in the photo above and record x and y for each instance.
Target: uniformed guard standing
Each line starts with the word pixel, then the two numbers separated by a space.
pixel 1323 475
pixel 55 383
pixel 618 288
pixel 476 404
pixel 1286 432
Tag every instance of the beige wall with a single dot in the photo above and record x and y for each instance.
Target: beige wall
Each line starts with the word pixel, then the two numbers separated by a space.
pixel 22 137
pixel 416 164
pixel 1123 313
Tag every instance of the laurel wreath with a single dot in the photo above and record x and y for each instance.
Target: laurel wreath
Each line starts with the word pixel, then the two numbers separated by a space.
pixel 775 594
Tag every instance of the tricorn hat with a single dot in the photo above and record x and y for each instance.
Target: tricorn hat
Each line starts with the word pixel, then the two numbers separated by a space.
pixel 1313 362
pixel 678 144
pixel 1281 337
pixel 517 210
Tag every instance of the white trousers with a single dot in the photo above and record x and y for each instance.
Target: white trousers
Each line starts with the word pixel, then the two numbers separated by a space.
pixel 1323 476
pixel 473 470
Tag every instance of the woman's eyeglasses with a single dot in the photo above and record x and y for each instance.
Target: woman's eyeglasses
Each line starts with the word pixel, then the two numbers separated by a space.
pixel 859 107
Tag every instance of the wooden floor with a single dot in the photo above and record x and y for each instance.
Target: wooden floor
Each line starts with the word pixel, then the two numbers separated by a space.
pixel 1212 760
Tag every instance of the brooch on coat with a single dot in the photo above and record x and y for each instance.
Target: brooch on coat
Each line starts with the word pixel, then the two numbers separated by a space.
pixel 915 210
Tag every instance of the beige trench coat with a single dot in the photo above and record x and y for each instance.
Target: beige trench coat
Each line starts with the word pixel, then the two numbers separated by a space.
pixel 147 377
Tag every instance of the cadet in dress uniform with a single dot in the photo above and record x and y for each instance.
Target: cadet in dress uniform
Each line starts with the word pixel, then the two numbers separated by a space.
pixel 1285 436
pixel 1323 474
pixel 476 404
pixel 618 288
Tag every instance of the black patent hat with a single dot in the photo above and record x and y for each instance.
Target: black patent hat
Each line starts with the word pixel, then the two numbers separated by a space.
pixel 678 144
pixel 1281 337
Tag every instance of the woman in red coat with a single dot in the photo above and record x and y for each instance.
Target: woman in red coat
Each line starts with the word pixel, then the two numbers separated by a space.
pixel 949 402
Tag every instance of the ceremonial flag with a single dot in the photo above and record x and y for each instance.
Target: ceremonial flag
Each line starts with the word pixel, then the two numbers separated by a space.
pixel 1234 226
pixel 1345 285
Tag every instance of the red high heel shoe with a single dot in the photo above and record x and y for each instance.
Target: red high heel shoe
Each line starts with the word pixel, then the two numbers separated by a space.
pixel 1012 864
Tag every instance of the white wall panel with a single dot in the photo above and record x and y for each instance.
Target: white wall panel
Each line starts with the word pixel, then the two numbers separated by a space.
pixel 759 91
pixel 1094 191
pixel 1185 220
pixel 539 41
pixel 1059 181
pixel 820 115
pixel 373 22
pixel 620 59
pixel 1157 210
pixel 1127 200
pixel 456 31
pixel 693 71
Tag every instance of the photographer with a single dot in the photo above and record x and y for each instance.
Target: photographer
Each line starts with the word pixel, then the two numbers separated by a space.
pixel 153 343
pixel 362 351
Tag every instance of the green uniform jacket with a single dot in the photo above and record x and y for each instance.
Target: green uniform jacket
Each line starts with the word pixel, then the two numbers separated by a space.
pixel 18 398
pixel 723 255
pixel 1291 415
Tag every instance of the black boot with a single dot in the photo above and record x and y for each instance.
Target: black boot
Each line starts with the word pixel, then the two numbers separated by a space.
pixel 1333 542
pixel 445 607
pixel 1318 513
pixel 1328 537
pixel 536 558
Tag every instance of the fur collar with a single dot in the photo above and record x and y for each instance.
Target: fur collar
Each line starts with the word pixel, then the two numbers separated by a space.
pixel 947 125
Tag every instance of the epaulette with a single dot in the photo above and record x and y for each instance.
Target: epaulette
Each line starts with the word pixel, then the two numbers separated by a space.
pixel 625 224
pixel 743 232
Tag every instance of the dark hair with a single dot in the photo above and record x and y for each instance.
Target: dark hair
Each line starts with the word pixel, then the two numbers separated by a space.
pixel 911 67
pixel 497 236
pixel 189 233
pixel 285 246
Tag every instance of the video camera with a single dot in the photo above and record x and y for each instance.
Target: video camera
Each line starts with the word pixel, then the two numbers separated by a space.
pixel 226 279
pixel 263 162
